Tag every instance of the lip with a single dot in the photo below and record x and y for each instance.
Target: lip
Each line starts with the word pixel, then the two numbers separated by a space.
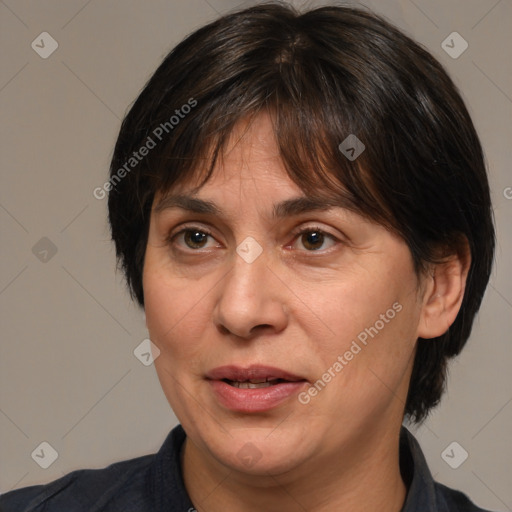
pixel 253 400
pixel 232 372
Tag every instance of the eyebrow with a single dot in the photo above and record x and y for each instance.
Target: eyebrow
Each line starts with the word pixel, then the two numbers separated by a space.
pixel 286 208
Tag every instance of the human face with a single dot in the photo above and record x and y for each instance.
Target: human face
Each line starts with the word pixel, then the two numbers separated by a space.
pixel 341 308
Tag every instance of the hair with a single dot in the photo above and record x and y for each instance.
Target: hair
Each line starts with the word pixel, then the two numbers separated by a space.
pixel 322 75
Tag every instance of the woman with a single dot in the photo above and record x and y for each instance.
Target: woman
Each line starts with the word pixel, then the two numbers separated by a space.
pixel 300 204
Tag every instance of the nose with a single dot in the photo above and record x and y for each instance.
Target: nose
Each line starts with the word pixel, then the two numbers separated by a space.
pixel 252 299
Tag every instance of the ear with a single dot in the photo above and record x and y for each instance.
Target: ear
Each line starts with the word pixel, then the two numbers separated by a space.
pixel 443 293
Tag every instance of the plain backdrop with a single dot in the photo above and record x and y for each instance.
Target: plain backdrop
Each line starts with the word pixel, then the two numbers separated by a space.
pixel 68 373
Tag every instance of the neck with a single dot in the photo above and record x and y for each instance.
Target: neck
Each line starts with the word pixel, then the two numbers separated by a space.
pixel 363 478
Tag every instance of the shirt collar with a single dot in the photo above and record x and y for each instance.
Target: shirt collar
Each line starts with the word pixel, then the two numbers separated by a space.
pixel 165 486
pixel 421 494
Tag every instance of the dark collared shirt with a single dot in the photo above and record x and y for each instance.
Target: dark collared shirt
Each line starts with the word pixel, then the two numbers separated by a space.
pixel 154 483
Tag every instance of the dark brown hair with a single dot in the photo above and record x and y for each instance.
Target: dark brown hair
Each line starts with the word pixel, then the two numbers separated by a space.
pixel 323 75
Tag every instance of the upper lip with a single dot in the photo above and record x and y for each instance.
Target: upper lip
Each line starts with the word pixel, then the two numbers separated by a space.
pixel 253 372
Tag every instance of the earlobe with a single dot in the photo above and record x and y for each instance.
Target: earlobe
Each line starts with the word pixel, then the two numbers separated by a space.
pixel 443 295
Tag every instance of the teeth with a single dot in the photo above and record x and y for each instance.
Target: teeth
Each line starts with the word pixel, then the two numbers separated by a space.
pixel 253 383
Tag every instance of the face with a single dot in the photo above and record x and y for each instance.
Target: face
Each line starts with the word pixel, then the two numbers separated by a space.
pixel 324 304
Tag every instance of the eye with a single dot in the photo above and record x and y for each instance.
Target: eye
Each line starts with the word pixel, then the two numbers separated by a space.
pixel 313 238
pixel 193 237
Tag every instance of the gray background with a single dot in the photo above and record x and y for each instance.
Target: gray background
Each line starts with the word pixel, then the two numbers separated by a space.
pixel 68 373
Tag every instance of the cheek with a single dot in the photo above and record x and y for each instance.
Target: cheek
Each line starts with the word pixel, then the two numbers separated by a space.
pixel 361 309
pixel 175 314
pixel 372 320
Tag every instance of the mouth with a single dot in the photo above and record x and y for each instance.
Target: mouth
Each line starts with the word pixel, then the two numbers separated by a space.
pixel 254 383
pixel 262 376
pixel 253 389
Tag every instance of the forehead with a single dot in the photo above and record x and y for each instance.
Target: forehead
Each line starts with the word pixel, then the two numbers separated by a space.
pixel 249 156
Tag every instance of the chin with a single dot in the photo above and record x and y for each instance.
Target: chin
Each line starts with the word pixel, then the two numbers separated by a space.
pixel 258 452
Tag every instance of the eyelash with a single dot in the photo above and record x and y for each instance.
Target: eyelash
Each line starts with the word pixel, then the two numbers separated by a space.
pixel 296 234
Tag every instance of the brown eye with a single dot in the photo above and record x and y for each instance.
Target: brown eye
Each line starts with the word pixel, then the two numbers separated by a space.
pixel 195 239
pixel 313 240
pixel 190 237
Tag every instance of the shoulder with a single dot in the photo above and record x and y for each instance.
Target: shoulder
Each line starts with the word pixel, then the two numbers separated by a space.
pixel 424 493
pixel 147 483
pixel 84 490
pixel 456 501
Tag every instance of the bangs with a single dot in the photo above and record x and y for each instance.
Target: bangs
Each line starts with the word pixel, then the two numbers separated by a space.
pixel 307 139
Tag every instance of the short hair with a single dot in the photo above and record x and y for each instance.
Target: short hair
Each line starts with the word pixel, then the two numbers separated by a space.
pixel 323 75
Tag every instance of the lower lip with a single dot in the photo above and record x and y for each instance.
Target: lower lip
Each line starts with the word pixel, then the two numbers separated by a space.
pixel 254 400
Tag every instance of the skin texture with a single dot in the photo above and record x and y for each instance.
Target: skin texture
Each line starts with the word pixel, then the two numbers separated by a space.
pixel 298 309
